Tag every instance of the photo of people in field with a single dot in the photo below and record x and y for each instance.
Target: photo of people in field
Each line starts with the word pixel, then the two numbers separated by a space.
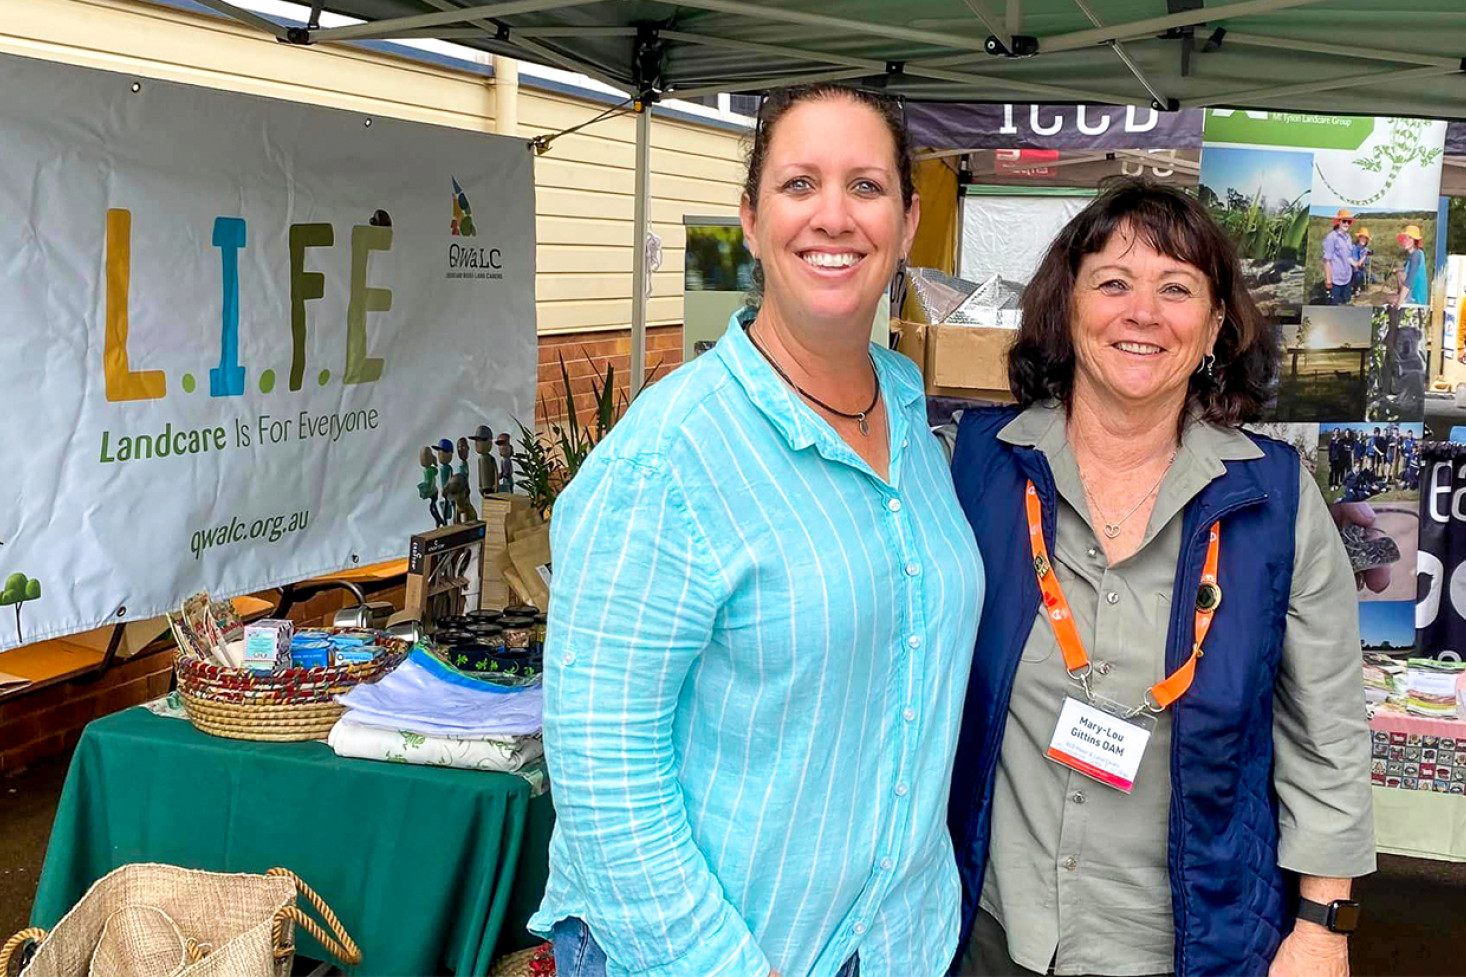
pixel 1360 461
pixel 1361 257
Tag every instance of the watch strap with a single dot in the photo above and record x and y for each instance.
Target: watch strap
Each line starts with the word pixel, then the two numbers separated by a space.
pixel 1339 916
pixel 1313 912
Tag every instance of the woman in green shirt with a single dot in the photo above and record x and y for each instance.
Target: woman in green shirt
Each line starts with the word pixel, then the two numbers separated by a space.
pixel 1139 356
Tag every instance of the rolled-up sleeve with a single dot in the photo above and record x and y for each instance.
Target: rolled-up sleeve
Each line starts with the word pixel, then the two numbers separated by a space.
pixel 1320 731
pixel 635 595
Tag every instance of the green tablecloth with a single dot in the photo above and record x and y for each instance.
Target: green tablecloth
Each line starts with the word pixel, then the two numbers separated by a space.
pixel 424 865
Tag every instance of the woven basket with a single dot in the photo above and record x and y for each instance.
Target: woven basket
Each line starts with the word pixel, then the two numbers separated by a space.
pixel 296 704
pixel 535 962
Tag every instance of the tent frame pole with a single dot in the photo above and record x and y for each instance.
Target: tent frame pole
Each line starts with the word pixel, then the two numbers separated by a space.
pixel 1161 102
pixel 246 17
pixel 1337 50
pixel 1325 85
pixel 376 30
pixel 779 15
pixel 843 74
pixel 1142 29
pixel 638 254
pixel 997 26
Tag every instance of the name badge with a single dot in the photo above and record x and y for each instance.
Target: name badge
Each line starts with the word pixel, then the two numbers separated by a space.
pixel 1095 739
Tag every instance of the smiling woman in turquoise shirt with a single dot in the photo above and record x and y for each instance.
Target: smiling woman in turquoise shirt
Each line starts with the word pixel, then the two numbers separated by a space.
pixel 765 595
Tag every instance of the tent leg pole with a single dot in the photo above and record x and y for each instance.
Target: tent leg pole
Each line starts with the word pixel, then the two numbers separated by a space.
pixel 638 260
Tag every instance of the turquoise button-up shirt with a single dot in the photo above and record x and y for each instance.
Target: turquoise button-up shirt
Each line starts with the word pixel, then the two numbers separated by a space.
pixel 755 669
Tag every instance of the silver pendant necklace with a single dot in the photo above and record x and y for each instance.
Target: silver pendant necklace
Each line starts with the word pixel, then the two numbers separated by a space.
pixel 1112 529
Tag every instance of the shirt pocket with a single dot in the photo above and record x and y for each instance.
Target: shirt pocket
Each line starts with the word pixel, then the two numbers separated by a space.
pixel 1041 643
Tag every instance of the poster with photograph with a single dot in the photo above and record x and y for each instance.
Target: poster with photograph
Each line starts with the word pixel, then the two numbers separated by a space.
pixel 1370 476
pixel 1323 373
pixel 1398 358
pixel 1326 209
pixel 1260 198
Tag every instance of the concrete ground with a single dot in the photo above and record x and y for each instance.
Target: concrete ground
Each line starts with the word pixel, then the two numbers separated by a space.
pixel 1414 910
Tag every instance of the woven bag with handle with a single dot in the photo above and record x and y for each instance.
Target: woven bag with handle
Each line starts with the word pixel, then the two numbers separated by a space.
pixel 141 917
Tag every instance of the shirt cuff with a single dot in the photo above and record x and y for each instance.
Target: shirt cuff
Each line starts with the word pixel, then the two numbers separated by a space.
pixel 1335 855
pixel 727 951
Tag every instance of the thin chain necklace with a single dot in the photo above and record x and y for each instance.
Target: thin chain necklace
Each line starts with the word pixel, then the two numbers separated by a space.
pixel 1112 529
pixel 860 416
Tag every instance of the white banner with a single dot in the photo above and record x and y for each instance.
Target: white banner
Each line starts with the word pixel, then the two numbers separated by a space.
pixel 230 326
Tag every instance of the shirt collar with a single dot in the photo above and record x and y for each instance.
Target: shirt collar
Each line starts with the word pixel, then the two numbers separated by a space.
pixel 796 421
pixel 1042 426
pixel 1205 449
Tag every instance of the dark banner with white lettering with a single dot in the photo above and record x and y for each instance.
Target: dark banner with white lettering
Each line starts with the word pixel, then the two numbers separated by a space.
pixel 1440 614
pixel 1022 125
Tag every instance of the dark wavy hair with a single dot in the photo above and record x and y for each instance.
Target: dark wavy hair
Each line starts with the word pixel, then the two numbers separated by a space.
pixel 1041 362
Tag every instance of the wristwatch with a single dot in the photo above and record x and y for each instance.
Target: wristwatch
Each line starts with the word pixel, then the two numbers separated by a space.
pixel 1339 916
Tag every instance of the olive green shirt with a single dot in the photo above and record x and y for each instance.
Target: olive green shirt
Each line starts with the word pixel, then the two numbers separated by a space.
pixel 1077 872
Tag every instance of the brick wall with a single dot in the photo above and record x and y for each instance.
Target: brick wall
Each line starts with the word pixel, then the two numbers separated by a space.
pixel 50 720
pixel 663 345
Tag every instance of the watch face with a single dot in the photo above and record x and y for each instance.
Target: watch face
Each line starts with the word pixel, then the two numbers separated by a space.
pixel 1344 916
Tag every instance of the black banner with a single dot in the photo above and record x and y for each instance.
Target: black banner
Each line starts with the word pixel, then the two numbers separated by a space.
pixel 1023 125
pixel 1456 139
pixel 1440 613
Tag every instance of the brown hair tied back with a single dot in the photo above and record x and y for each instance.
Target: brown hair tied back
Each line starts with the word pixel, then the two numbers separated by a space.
pixel 1041 362
pixel 777 103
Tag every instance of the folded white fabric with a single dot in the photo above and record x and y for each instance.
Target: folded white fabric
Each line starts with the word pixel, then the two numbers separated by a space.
pixel 426 696
pixel 507 754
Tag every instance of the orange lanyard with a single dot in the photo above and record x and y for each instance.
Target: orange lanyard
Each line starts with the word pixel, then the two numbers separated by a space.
pixel 1168 689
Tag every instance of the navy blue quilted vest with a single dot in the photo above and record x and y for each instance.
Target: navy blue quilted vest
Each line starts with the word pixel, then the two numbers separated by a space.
pixel 1232 903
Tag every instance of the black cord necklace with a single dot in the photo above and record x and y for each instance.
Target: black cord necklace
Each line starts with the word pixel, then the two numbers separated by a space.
pixel 860 416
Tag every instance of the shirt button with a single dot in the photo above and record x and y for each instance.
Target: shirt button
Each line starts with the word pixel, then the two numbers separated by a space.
pixel 1112 598
pixel 894 505
pixel 568 658
pixel 1077 797
pixel 1093 552
pixel 1071 863
pixel 886 864
pixel 1103 667
pixel 909 715
pixel 901 790
pixel 912 569
pixel 914 641
pixel 859 929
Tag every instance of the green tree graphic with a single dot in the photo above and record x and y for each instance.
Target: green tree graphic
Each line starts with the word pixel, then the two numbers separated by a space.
pixel 18 589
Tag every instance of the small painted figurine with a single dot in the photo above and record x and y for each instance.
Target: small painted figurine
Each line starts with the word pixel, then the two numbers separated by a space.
pixel 428 487
pixel 488 475
pixel 506 463
pixel 456 492
pixel 444 450
pixel 463 457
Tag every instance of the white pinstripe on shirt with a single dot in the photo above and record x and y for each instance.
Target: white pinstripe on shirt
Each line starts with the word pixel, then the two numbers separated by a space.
pixel 755 667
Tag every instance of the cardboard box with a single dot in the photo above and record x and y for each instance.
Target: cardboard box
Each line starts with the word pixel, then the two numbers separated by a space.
pixel 958 361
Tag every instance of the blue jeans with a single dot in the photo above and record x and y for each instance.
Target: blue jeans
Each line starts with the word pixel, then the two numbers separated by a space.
pixel 578 955
pixel 1339 294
